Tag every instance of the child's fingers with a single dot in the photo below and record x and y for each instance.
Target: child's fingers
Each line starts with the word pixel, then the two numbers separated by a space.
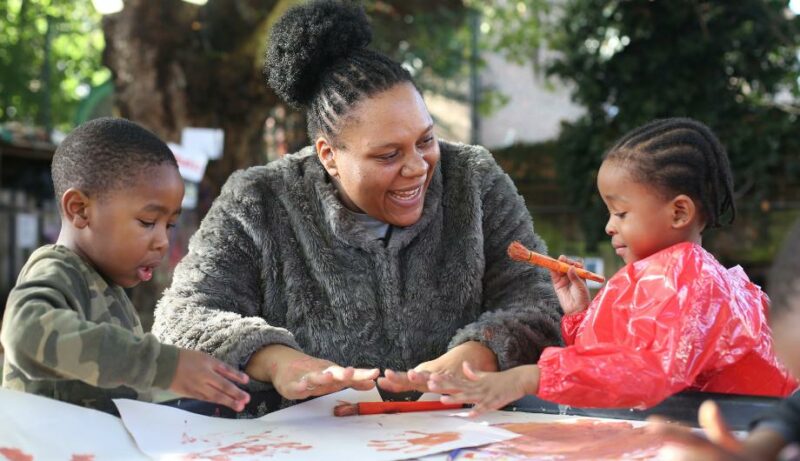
pixel 234 375
pixel 571 262
pixel 362 385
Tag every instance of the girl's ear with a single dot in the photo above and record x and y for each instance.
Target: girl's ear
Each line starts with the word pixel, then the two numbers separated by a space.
pixel 684 211
pixel 327 156
pixel 75 205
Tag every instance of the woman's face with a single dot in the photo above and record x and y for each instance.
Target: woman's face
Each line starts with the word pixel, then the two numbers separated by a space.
pixel 385 155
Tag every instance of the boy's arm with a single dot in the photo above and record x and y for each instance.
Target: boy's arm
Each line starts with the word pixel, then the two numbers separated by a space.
pixel 44 338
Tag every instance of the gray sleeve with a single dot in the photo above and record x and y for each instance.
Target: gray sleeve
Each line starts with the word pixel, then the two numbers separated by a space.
pixel 215 303
pixel 521 314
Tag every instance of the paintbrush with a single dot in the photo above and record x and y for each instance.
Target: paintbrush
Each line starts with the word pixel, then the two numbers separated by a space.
pixel 518 252
pixel 379 408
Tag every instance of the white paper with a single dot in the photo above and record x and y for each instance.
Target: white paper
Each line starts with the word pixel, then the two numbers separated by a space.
pixel 27 230
pixel 46 429
pixel 191 163
pixel 208 141
pixel 303 432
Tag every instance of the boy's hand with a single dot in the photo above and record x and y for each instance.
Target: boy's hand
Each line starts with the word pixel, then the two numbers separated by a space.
pixel 200 376
pixel 572 292
pixel 487 390
pixel 685 445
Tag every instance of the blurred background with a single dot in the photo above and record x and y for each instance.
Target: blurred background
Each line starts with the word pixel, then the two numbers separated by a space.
pixel 547 86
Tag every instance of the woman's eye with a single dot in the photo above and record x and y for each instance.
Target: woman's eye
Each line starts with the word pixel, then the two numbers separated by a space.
pixel 426 142
pixel 147 223
pixel 389 156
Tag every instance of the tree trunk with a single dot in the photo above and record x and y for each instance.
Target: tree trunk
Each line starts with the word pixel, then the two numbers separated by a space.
pixel 176 65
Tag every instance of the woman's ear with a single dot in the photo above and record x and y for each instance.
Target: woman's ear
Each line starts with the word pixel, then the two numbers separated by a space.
pixel 684 211
pixel 327 156
pixel 75 204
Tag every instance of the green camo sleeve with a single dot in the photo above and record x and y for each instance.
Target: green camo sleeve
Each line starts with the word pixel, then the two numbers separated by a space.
pixel 47 334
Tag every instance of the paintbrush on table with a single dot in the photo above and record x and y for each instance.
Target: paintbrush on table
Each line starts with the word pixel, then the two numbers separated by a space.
pixel 379 408
pixel 518 252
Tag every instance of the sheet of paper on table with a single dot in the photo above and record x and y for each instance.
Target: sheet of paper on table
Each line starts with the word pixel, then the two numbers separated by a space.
pixel 38 428
pixel 305 431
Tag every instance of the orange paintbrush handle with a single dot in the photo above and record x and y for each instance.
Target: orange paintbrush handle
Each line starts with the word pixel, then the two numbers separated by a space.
pixel 518 252
pixel 377 408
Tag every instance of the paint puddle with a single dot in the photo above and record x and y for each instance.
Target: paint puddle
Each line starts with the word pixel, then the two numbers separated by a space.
pixel 416 441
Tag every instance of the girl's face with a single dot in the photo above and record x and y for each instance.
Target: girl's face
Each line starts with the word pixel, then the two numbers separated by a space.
pixel 641 220
pixel 386 156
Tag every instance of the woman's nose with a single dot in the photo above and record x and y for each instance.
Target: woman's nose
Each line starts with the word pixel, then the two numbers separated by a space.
pixel 415 165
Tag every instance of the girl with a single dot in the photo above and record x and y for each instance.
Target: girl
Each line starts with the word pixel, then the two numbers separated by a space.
pixel 673 318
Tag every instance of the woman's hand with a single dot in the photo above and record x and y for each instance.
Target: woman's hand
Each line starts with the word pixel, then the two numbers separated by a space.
pixel 296 375
pixel 572 292
pixel 479 357
pixel 487 390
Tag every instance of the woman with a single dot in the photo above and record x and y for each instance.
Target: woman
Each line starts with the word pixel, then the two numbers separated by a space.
pixel 378 247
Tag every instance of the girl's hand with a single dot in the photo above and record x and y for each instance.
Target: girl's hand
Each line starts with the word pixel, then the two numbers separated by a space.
pixel 480 356
pixel 296 375
pixel 487 390
pixel 572 292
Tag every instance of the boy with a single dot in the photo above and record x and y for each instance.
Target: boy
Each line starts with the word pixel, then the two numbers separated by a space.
pixel 69 330
pixel 773 433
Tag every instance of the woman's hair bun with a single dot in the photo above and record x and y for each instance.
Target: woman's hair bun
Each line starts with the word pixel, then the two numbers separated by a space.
pixel 308 39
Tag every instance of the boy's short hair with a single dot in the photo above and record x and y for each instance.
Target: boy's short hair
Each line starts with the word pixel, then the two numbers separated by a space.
pixel 105 154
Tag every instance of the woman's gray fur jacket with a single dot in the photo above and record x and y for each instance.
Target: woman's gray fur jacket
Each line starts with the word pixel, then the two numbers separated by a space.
pixel 278 260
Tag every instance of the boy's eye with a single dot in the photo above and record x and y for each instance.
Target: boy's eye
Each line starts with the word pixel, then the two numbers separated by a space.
pixel 171 225
pixel 621 215
pixel 147 223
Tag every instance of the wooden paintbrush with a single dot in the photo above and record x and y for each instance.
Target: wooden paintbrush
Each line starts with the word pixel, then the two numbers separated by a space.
pixel 518 252
pixel 378 408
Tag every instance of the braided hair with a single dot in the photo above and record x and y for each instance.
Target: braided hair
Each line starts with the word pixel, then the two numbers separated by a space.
pixel 681 156
pixel 317 59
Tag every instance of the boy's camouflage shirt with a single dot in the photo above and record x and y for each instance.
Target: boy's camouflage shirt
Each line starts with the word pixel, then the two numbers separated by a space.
pixel 71 335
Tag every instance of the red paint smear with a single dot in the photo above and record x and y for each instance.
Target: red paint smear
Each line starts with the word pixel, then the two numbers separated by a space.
pixel 581 440
pixel 262 444
pixel 186 438
pixel 82 458
pixel 15 454
pixel 410 445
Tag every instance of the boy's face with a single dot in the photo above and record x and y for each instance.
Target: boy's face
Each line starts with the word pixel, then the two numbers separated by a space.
pixel 127 234
pixel 640 220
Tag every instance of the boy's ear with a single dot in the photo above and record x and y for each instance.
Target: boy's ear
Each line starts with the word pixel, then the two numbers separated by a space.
pixel 684 211
pixel 75 204
pixel 326 156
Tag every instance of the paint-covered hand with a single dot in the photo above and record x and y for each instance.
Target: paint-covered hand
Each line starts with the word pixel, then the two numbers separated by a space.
pixel 487 390
pixel 572 292
pixel 684 445
pixel 479 356
pixel 296 375
pixel 200 376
